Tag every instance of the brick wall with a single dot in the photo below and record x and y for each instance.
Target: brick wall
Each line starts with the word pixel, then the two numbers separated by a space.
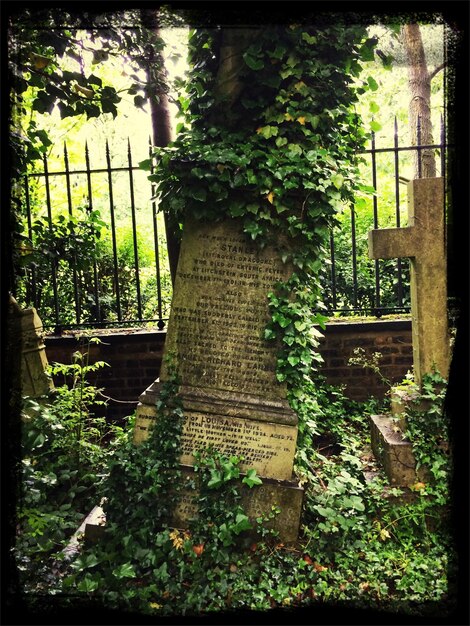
pixel 391 338
pixel 135 358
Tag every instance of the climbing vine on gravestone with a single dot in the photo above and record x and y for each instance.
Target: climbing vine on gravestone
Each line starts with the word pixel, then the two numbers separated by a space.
pixel 276 150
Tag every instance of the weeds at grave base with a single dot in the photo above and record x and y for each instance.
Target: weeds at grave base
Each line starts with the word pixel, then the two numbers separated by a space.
pixel 356 546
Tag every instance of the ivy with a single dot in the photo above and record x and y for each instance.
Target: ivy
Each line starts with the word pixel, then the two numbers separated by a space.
pixel 280 156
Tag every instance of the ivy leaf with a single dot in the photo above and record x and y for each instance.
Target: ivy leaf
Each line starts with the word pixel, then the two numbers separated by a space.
pixel 254 229
pixel 281 141
pixel 139 101
pixel 95 80
pixel 310 39
pixel 124 571
pixel 199 194
pixel 251 479
pixel 108 107
pixel 337 180
pixel 372 83
pixel 215 480
pixel 237 210
pixel 267 131
pixel 366 51
pixel 315 333
pixel 88 585
pixel 241 523
pixel 293 360
pixel 92 111
pixel 375 126
pixel 281 320
pixel 146 165
pixel 294 149
pixel 254 63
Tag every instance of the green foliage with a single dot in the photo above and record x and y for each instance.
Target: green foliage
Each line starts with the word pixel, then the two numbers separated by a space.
pixel 428 430
pixel 73 247
pixel 359 542
pixel 48 43
pixel 62 465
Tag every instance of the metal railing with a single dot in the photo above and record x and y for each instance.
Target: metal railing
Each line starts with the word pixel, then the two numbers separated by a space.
pixel 99 281
pixel 81 280
pixel 384 288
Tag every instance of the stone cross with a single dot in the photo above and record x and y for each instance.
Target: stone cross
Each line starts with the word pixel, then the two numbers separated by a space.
pixel 423 242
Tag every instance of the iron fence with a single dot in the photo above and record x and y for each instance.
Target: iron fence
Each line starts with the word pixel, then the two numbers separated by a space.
pixel 378 287
pixel 79 273
pixel 99 259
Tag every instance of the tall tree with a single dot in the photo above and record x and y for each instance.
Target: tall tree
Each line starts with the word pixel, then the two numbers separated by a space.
pixel 161 122
pixel 419 80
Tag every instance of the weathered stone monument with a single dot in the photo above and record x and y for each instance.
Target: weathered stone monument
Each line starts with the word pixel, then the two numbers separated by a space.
pixel 26 338
pixel 423 242
pixel 230 395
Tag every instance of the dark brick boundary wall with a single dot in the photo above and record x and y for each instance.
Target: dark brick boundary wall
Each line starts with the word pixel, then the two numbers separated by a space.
pixel 135 358
pixel 392 338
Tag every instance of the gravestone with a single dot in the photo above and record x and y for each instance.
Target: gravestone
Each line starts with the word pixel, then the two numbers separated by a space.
pixel 423 242
pixel 227 372
pixel 26 341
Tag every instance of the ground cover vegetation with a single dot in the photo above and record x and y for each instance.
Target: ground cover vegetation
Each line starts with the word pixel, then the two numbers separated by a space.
pixel 359 543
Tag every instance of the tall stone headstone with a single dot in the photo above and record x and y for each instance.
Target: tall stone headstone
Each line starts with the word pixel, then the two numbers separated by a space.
pixel 227 371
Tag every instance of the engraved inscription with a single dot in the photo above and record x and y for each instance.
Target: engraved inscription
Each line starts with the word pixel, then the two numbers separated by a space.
pixel 265 446
pixel 220 310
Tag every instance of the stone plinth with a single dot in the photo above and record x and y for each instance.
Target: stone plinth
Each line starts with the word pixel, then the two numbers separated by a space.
pixel 230 396
pixel 255 502
pixel 394 453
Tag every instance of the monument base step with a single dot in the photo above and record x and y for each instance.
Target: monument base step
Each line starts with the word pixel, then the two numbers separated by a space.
pixel 256 501
pixel 394 453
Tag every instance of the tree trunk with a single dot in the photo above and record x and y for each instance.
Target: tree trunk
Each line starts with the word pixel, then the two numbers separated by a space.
pixel 161 128
pixel 234 43
pixel 419 81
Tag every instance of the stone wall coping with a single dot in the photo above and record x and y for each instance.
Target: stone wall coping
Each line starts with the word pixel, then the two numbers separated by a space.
pixel 136 335
pixel 370 325
pixel 129 335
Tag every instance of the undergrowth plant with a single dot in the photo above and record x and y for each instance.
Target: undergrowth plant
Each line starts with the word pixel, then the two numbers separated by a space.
pixel 63 462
